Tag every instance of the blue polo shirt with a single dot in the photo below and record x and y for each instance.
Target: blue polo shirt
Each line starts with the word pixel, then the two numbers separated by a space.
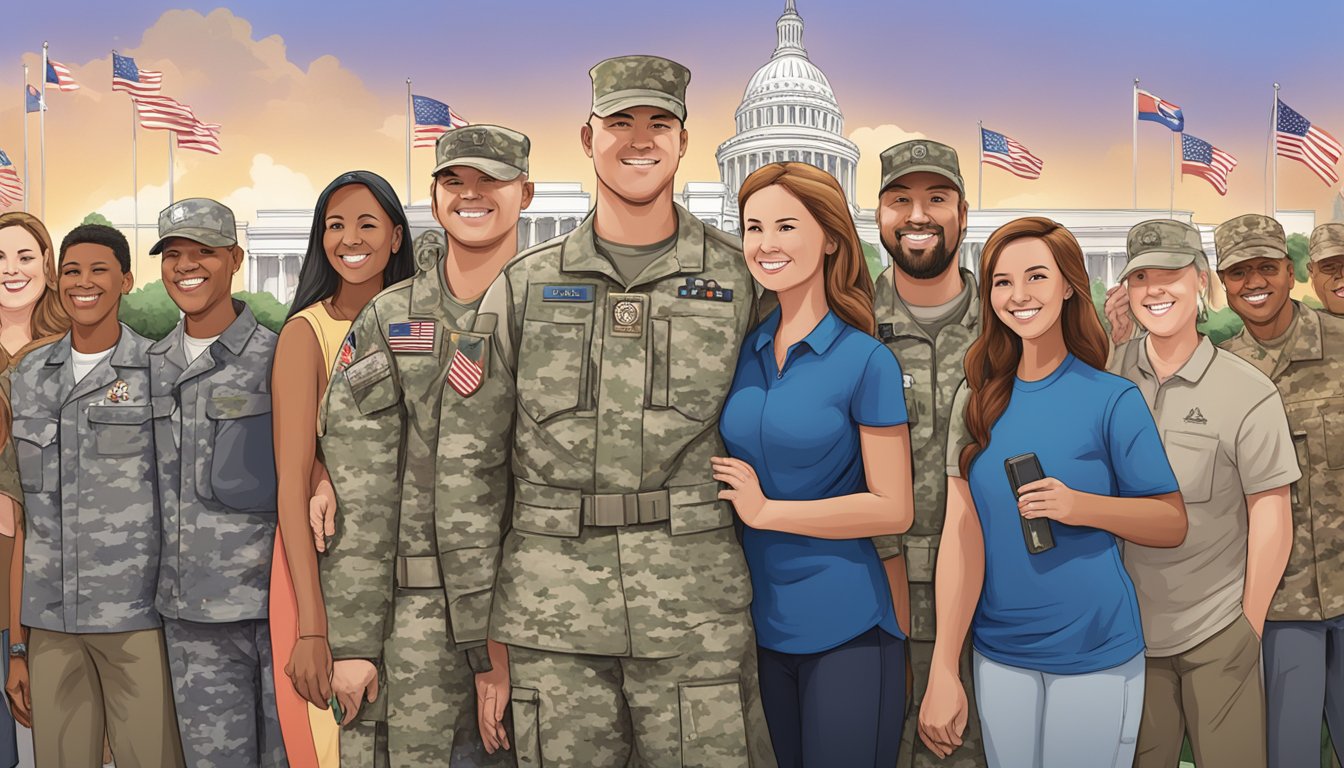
pixel 799 429
pixel 1071 609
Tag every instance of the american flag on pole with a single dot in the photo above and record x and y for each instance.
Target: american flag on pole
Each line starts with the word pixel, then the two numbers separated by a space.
pixel 415 336
pixel 11 187
pixel 1002 152
pixel 433 118
pixel 162 113
pixel 1299 140
pixel 33 103
pixel 126 76
pixel 1202 159
pixel 203 137
pixel 59 75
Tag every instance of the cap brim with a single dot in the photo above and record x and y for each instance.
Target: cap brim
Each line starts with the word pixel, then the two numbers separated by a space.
pixel 888 181
pixel 1321 254
pixel 1248 253
pixel 615 102
pixel 210 237
pixel 495 169
pixel 1157 260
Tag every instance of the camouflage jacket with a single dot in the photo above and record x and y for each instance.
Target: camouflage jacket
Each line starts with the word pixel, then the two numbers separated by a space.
pixel 619 545
pixel 416 445
pixel 933 371
pixel 1310 376
pixel 86 462
pixel 212 433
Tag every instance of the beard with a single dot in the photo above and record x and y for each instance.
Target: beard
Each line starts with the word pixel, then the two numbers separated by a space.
pixel 933 262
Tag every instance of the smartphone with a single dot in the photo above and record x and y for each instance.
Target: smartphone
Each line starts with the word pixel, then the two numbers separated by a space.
pixel 1022 470
pixel 336 709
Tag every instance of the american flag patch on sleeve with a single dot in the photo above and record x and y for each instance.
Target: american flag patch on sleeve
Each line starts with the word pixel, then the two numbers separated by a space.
pixel 413 336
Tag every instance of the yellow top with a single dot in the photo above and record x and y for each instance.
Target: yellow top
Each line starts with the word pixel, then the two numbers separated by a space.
pixel 330 332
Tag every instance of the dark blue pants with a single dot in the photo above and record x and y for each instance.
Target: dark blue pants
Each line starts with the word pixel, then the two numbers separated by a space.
pixel 842 707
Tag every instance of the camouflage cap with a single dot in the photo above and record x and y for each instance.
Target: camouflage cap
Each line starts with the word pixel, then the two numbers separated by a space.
pixel 921 155
pixel 1326 240
pixel 208 222
pixel 639 81
pixel 1163 244
pixel 500 153
pixel 1249 236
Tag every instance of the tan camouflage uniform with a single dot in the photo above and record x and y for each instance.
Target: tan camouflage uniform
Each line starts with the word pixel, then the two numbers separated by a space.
pixel 1327 241
pixel 418 459
pixel 933 371
pixel 216 482
pixel 1309 372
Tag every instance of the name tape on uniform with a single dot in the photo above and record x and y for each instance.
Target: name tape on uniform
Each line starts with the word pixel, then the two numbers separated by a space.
pixel 366 371
pixel 567 293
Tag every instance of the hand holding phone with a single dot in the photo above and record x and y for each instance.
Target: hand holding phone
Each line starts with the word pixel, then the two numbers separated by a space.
pixel 1022 470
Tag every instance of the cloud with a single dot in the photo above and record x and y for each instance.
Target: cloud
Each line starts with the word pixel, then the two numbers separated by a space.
pixel 872 141
pixel 272 186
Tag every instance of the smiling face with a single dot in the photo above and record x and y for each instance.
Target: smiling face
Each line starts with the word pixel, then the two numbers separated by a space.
pixel 785 246
pixel 358 236
pixel 1327 278
pixel 22 274
pixel 1258 289
pixel 1028 291
pixel 475 208
pixel 91 284
pixel 921 219
pixel 635 151
pixel 198 276
pixel 1166 301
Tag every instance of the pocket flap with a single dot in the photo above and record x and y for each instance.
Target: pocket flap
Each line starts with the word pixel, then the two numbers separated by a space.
pixel 524 695
pixel 36 431
pixel 229 404
pixel 697 508
pixel 546 510
pixel 119 414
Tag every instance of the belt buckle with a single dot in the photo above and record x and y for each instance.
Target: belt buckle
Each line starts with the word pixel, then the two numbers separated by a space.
pixel 609 509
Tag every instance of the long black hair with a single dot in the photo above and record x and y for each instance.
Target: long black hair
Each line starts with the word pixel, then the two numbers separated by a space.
pixel 318 280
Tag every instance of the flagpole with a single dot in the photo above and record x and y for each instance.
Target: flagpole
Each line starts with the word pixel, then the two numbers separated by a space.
pixel 135 184
pixel 1134 118
pixel 1171 210
pixel 172 169
pixel 1274 157
pixel 408 141
pixel 27 180
pixel 980 185
pixel 42 130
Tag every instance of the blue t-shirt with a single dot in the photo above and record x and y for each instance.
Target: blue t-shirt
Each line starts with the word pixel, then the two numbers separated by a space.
pixel 799 430
pixel 1071 609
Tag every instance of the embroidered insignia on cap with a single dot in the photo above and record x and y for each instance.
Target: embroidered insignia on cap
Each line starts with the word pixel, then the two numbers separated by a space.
pixel 178 213
pixel 919 151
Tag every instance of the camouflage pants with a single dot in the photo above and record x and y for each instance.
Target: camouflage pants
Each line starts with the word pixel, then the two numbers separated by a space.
pixel 700 709
pixel 971 753
pixel 225 693
pixel 426 709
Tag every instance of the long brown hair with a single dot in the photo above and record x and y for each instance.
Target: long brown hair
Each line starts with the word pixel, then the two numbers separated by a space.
pixel 849 288
pixel 991 362
pixel 48 319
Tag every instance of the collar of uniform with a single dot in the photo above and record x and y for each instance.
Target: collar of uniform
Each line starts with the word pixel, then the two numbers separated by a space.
pixel 429 289
pixel 904 323
pixel 579 251
pixel 1194 368
pixel 819 339
pixel 1306 343
pixel 124 354
pixel 234 338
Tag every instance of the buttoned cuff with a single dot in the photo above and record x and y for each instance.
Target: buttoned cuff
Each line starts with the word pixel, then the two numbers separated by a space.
pixel 478 658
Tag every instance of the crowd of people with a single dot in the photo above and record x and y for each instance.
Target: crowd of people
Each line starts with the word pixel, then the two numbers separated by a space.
pixel 648 494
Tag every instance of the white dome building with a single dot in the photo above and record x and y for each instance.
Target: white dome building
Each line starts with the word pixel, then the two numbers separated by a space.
pixel 788 113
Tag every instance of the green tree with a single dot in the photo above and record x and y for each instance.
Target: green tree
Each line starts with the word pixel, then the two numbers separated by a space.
pixel 1099 301
pixel 269 312
pixel 1221 325
pixel 1297 251
pixel 149 311
pixel 874 261
pixel 96 218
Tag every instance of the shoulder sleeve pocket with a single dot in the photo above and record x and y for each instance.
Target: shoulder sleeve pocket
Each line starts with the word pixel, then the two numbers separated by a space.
pixel 38 454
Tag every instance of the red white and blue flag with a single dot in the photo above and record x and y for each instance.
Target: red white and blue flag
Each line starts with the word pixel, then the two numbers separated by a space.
pixel 11 187
pixel 126 76
pixel 1202 159
pixel 1000 151
pixel 33 102
pixel 414 336
pixel 465 371
pixel 433 118
pixel 1160 111
pixel 164 113
pixel 1298 139
pixel 59 75
pixel 203 137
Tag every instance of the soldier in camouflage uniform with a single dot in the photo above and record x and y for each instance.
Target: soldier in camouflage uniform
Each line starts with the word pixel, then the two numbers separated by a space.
pixel 623 593
pixel 1302 351
pixel 1326 266
pixel 90 547
pixel 927 313
pixel 420 469
pixel 209 381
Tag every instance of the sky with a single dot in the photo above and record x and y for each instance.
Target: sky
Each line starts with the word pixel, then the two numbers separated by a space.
pixel 307 90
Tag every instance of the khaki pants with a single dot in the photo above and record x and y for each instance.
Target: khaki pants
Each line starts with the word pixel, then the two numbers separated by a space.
pixel 85 683
pixel 1215 692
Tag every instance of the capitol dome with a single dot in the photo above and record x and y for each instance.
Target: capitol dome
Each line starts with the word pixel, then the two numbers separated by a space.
pixel 788 113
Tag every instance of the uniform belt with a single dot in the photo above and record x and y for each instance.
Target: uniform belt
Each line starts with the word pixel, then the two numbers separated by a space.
pixel 615 509
pixel 418 572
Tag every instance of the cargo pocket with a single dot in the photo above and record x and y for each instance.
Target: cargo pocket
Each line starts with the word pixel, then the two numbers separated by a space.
pixel 697 508
pixel 545 510
pixel 713 730
pixel 241 470
pixel 1333 420
pixel 1301 493
pixel 38 454
pixel 552 362
pixel 700 363
pixel 120 430
pixel 526 703
pixel 1192 458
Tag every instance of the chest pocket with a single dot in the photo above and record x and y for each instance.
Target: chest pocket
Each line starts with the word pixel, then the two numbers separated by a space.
pixel 38 454
pixel 697 362
pixel 120 430
pixel 553 361
pixel 1192 458
pixel 240 472
pixel 1332 417
pixel 915 357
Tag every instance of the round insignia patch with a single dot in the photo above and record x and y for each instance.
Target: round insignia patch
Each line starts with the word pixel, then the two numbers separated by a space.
pixel 626 313
pixel 1149 238
pixel 919 151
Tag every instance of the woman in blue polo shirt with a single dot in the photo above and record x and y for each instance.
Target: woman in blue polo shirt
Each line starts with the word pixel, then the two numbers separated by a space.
pixel 1058 661
pixel 816 425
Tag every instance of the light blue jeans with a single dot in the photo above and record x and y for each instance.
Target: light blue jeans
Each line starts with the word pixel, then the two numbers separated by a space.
pixel 1034 719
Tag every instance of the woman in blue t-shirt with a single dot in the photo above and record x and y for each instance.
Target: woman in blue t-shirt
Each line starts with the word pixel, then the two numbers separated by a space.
pixel 816 425
pixel 1058 659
